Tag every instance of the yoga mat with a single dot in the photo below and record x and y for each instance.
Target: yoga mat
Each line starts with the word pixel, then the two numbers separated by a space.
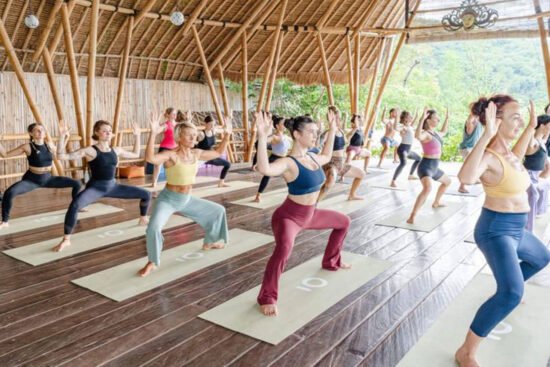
pixel 426 220
pixel 122 282
pixel 470 239
pixel 400 187
pixel 305 292
pixel 474 190
pixel 522 339
pixel 342 204
pixel 41 252
pixel 56 217
pixel 215 190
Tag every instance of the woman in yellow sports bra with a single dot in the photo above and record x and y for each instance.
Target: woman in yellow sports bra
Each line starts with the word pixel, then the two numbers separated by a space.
pixel 513 254
pixel 181 166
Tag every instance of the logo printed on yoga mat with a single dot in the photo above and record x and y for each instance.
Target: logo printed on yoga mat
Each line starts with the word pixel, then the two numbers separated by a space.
pixel 111 233
pixel 312 282
pixel 190 256
pixel 506 329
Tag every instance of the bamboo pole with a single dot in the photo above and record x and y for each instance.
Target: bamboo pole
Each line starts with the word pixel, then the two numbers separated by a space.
pixel 373 81
pixel 350 73
pixel 273 79
pixel 325 69
pixel 386 76
pixel 244 94
pixel 223 90
pixel 59 32
pixel 544 45
pixel 356 65
pixel 122 77
pixel 91 70
pixel 72 69
pixel 46 32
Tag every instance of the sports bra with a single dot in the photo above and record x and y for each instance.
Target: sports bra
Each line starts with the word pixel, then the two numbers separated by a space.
pixel 103 166
pixel 40 155
pixel 433 146
pixel 408 137
pixel 308 180
pixel 182 174
pixel 281 148
pixel 208 142
pixel 512 183
pixel 339 143
pixel 357 139
pixel 537 160
pixel 168 139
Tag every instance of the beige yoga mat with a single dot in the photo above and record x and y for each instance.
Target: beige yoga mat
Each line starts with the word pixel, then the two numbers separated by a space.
pixel 122 282
pixel 41 252
pixel 56 217
pixel 426 220
pixel 400 187
pixel 342 204
pixel 215 190
pixel 305 292
pixel 473 190
pixel 522 339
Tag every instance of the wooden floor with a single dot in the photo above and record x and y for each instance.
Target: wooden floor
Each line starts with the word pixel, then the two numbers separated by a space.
pixel 47 321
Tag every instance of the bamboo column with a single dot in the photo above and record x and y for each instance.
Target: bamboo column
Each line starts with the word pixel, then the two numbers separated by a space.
pixel 325 69
pixel 46 32
pixel 244 95
pixel 72 69
pixel 386 76
pixel 350 73
pixel 59 32
pixel 356 66
pixel 273 78
pixel 122 78
pixel 227 110
pixel 544 45
pixel 373 81
pixel 91 71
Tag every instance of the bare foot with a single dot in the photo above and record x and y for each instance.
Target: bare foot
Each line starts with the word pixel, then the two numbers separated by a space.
pixel 345 266
pixel 393 184
pixel 394 161
pixel 256 199
pixel 65 242
pixel 438 205
pixel 355 197
pixel 464 359
pixel 410 220
pixel 254 168
pixel 4 225
pixel 269 310
pixel 147 269
pixel 464 191
pixel 413 177
pixel 223 185
pixel 143 221
pixel 341 179
pixel 155 194
pixel 215 246
pixel 84 210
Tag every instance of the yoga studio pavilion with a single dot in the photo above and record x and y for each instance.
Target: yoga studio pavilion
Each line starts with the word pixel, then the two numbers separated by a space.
pixel 412 292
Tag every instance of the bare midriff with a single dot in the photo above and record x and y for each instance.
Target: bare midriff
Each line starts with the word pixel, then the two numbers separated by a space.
pixel 40 170
pixel 181 189
pixel 517 204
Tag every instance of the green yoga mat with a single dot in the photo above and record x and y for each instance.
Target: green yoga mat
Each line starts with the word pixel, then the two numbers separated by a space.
pixel 305 292
pixel 522 339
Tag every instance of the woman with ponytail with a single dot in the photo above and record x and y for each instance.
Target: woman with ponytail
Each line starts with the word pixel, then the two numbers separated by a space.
pixel 207 141
pixel 356 138
pixel 304 176
pixel 428 169
pixel 513 254
pixel 404 149
pixel 167 142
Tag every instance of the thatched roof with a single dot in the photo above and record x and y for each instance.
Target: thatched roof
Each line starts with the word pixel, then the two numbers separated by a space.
pixel 160 51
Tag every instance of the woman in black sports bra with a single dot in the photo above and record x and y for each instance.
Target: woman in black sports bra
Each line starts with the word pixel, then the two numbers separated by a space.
pixel 40 155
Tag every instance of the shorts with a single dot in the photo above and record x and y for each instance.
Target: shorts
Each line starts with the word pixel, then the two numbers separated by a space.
pixel 338 164
pixel 429 167
pixel 352 148
pixel 391 142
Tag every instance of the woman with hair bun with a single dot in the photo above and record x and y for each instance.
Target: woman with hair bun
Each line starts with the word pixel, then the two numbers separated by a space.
pixel 280 144
pixel 356 138
pixel 102 160
pixel 428 169
pixel 40 154
pixel 304 176
pixel 207 141
pixel 404 149
pixel 513 254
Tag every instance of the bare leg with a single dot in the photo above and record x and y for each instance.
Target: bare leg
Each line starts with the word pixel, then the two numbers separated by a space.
pixel 147 269
pixel 222 183
pixel 463 189
pixel 382 155
pixel 257 198
pixel 395 158
pixel 65 242
pixel 156 173
pixel 4 225
pixel 421 199
pixel 466 354
pixel 143 221
pixel 215 246
pixel 445 182
pixel 366 165
pixel 358 176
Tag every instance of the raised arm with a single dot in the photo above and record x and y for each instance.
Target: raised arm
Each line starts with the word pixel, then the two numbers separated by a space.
pixel 523 142
pixel 64 134
pixel 263 128
pixel 150 156
pixel 137 145
pixel 419 133
pixel 445 127
pixel 326 153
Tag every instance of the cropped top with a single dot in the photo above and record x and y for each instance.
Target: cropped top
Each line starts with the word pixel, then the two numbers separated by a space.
pixel 208 142
pixel 433 146
pixel 512 183
pixel 537 160
pixel 408 136
pixel 281 148
pixel 182 173
pixel 40 155
pixel 357 139
pixel 308 180
pixel 339 143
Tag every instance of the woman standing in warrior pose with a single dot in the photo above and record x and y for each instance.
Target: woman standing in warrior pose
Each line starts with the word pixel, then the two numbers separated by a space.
pixel 167 142
pixel 207 141
pixel 404 149
pixel 356 138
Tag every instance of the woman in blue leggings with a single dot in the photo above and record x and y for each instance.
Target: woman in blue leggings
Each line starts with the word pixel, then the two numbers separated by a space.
pixel 102 160
pixel 513 254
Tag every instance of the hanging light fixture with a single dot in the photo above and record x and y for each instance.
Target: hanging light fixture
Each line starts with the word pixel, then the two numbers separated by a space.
pixel 177 17
pixel 470 14
pixel 31 20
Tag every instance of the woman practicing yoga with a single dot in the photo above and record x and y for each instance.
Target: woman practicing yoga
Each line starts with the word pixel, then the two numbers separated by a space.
pixel 470 136
pixel 404 149
pixel 207 141
pixel 181 165
pixel 304 176
pixel 102 160
pixel 388 140
pixel 356 138
pixel 167 142
pixel 280 144
pixel 40 155
pixel 428 169
pixel 513 254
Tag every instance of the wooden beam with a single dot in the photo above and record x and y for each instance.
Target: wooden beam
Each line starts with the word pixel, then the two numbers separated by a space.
pixel 46 32
pixel 327 14
pixel 273 79
pixel 67 35
pixel 17 25
pixel 122 77
pixel 447 8
pixel 30 32
pixel 544 45
pixel 328 83
pixel 46 58
pixel 244 93
pixel 59 32
pixel 223 91
pixel 80 24
pixel 350 74
pixel 387 53
pixel 91 71
pixel 356 65
pixel 143 12
pixel 373 81
pixel 6 11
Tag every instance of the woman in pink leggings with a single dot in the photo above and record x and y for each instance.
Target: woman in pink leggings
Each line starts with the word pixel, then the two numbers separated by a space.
pixel 304 176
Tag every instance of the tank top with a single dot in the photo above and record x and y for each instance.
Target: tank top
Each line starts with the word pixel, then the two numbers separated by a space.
pixel 408 137
pixel 281 148
pixel 357 139
pixel 537 160
pixel 339 143
pixel 308 180
pixel 103 166
pixel 470 140
pixel 208 142
pixel 182 174
pixel 168 141
pixel 512 183
pixel 40 155
pixel 433 147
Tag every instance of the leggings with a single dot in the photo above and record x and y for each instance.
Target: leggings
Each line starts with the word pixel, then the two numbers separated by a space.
pixel 220 162
pixel 31 181
pixel 210 216
pixel 514 255
pixel 404 152
pixel 97 189
pixel 538 198
pixel 265 179
pixel 290 219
